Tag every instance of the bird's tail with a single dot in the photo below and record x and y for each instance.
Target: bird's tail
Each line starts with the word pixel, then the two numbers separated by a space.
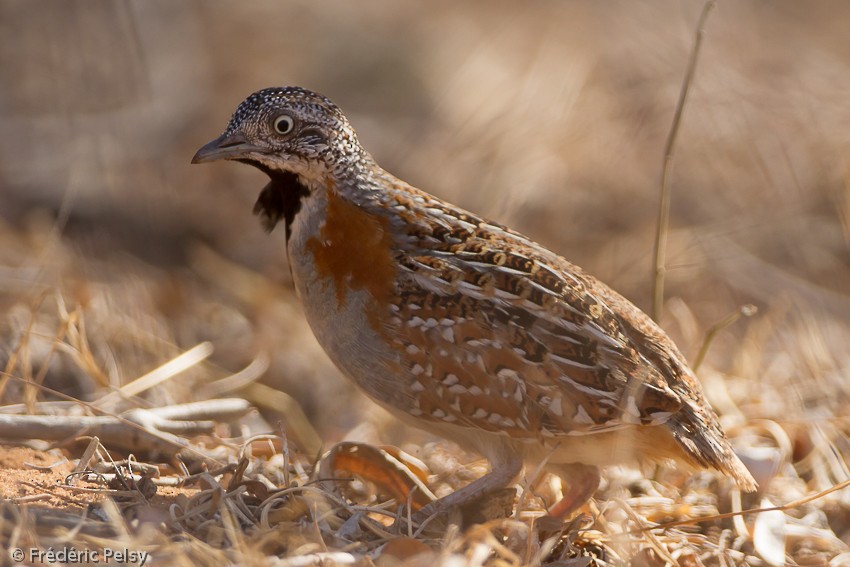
pixel 697 430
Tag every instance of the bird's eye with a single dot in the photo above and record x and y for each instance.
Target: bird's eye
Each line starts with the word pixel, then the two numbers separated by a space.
pixel 283 124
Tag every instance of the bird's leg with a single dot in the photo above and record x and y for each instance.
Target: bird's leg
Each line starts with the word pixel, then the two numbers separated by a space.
pixel 583 480
pixel 503 470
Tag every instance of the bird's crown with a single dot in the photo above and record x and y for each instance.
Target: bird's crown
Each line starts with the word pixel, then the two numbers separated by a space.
pixel 293 100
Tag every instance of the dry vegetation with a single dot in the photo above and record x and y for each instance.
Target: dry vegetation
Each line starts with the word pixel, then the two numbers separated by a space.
pixel 116 257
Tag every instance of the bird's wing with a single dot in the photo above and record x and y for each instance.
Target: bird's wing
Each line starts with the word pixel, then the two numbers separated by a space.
pixel 503 335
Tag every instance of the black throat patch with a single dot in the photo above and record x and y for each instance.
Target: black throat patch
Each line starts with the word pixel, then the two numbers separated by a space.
pixel 280 199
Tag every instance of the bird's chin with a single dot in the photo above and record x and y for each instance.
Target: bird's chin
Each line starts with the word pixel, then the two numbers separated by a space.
pixel 308 174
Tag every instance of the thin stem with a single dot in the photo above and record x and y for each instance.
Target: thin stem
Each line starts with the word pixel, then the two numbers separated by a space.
pixel 743 311
pixel 662 227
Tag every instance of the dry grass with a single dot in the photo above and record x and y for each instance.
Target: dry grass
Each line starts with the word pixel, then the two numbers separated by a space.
pixel 116 257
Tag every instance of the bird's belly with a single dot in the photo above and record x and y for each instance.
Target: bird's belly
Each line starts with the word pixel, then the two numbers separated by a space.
pixel 348 326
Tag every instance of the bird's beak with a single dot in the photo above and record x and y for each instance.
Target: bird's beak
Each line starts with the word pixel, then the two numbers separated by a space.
pixel 233 146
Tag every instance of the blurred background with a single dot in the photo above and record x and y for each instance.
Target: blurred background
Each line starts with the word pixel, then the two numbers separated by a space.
pixel 549 116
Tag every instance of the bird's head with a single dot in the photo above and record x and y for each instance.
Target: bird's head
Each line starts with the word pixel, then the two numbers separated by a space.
pixel 299 138
pixel 286 129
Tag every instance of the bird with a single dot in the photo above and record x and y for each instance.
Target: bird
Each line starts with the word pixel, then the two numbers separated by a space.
pixel 461 326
